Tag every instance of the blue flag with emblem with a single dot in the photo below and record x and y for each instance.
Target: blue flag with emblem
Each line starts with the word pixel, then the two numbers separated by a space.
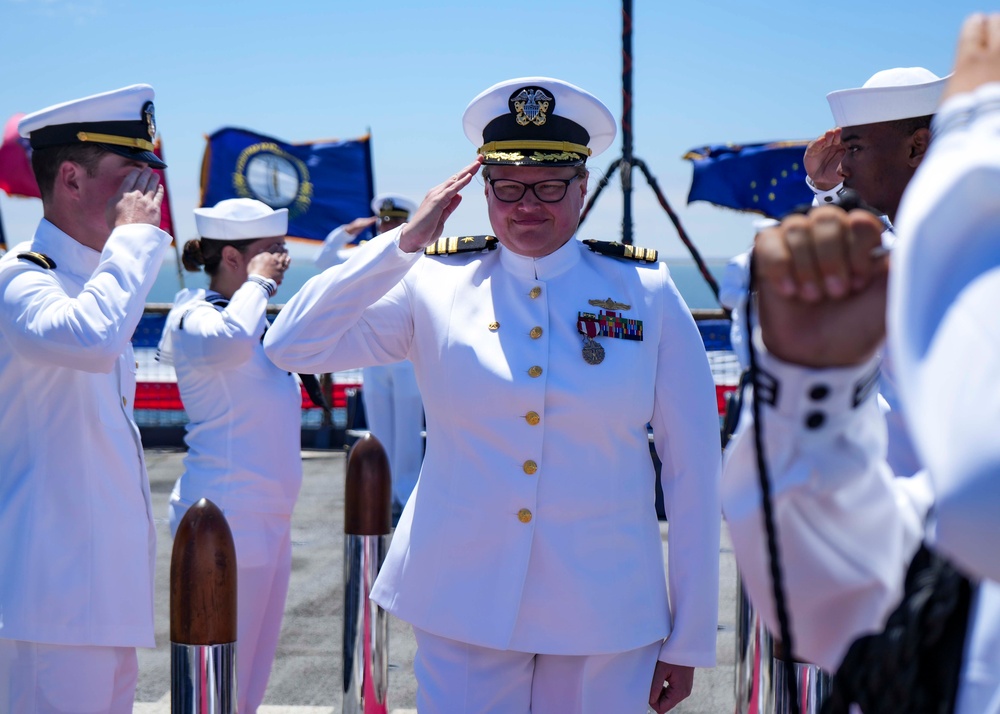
pixel 763 178
pixel 323 184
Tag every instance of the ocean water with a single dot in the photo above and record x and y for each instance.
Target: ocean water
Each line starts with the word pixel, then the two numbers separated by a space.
pixel 688 279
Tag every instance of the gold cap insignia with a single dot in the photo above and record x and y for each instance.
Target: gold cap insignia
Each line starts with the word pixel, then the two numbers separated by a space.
pixel 531 106
pixel 150 119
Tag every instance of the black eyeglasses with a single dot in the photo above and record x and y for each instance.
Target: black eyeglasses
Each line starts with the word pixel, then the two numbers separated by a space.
pixel 548 191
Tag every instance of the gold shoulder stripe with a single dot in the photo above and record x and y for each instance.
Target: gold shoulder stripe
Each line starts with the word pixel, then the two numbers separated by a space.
pixel 39 259
pixel 461 244
pixel 619 250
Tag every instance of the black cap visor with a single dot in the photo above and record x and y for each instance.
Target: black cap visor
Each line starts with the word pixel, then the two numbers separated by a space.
pixel 147 157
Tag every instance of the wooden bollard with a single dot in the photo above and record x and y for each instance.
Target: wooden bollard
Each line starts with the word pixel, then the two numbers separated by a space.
pixel 367 525
pixel 203 613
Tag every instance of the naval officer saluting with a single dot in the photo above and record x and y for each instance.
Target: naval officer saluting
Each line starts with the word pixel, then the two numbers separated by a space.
pixel 528 559
pixel 393 408
pixel 77 543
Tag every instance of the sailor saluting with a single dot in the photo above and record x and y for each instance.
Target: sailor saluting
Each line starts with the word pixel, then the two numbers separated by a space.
pixel 891 581
pixel 77 541
pixel 528 559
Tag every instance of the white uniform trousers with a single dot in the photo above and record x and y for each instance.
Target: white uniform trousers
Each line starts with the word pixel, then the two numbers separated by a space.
pixel 395 415
pixel 264 565
pixel 458 678
pixel 38 678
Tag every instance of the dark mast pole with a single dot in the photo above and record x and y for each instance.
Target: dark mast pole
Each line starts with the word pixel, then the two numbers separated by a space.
pixel 626 163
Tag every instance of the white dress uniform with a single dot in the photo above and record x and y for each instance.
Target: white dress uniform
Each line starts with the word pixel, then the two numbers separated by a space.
pixel 394 411
pixel 243 442
pixel 77 542
pixel 533 526
pixel 334 250
pixel 733 297
pixel 847 527
pixel 245 413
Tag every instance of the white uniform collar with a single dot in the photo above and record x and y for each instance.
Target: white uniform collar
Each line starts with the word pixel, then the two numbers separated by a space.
pixel 69 254
pixel 545 268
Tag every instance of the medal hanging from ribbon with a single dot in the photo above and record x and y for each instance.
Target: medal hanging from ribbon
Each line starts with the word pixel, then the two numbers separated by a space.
pixel 586 325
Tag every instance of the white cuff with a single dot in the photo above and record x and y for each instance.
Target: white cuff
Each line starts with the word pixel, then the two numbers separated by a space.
pixel 817 399
pixel 269 286
pixel 823 198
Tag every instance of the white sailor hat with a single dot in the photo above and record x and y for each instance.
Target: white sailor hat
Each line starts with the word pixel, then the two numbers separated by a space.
pixel 892 94
pixel 121 121
pixel 538 121
pixel 240 219
pixel 390 206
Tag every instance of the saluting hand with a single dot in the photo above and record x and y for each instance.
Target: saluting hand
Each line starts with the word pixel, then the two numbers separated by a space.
pixel 679 680
pixel 271 264
pixel 359 224
pixel 137 201
pixel 822 158
pixel 821 287
pixel 427 223
pixel 977 59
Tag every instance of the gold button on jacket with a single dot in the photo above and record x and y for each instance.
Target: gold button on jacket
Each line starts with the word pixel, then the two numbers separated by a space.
pixel 535 333
pixel 530 467
pixel 535 292
pixel 535 371
pixel 524 515
pixel 532 418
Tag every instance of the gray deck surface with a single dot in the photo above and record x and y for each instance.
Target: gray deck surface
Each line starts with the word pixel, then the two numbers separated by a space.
pixel 307 671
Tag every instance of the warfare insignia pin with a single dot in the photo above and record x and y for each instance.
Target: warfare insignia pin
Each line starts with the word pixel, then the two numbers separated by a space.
pixel 610 304
pixel 531 105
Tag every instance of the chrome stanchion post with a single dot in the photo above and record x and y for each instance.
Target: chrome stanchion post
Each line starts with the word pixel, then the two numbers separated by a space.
pixel 814 687
pixel 367 524
pixel 754 687
pixel 203 614
pixel 747 652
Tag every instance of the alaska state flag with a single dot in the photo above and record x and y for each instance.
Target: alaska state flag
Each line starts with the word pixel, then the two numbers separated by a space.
pixel 323 184
pixel 763 178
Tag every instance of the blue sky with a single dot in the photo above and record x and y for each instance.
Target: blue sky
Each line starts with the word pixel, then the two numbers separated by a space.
pixel 704 72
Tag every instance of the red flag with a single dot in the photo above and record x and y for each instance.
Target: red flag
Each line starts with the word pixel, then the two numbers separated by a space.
pixel 16 176
pixel 166 217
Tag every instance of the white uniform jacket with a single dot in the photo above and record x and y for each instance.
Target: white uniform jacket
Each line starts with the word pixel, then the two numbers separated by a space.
pixel 334 250
pixel 847 528
pixel 533 526
pixel 77 543
pixel 245 415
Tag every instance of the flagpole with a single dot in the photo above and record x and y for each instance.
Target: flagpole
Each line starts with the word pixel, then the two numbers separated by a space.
pixel 3 236
pixel 626 162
